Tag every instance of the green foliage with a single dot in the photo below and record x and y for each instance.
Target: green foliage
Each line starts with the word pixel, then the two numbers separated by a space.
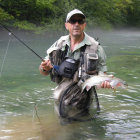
pixel 133 16
pixel 4 16
pixel 41 16
pixel 25 25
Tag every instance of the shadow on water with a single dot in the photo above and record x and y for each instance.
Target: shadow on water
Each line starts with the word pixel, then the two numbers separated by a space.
pixel 23 91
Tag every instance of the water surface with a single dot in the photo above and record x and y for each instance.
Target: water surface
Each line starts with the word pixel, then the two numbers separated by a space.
pixel 26 101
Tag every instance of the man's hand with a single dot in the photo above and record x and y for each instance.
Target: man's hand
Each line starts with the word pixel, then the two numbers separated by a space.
pixel 105 85
pixel 45 67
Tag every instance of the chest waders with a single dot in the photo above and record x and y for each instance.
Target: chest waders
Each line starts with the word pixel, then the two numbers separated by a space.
pixel 82 107
pixel 64 111
pixel 72 103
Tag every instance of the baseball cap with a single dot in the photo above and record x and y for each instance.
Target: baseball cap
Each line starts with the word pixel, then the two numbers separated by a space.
pixel 74 12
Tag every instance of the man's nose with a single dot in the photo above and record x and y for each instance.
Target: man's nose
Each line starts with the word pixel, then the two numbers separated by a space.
pixel 76 23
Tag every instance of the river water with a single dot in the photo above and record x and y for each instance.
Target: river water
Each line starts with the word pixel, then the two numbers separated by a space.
pixel 26 100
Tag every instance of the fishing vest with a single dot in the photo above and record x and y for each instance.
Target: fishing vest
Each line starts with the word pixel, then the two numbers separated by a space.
pixel 83 68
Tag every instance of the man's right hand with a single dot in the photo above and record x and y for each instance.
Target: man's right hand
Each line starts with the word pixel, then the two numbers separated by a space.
pixel 45 67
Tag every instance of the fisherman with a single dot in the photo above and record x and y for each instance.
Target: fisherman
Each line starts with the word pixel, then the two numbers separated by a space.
pixel 74 57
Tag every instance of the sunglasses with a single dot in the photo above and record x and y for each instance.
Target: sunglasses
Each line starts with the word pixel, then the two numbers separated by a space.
pixel 73 21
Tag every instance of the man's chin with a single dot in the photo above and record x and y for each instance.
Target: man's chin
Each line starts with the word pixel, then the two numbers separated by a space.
pixel 77 34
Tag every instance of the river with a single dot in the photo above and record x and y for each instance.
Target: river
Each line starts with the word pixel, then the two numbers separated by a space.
pixel 26 100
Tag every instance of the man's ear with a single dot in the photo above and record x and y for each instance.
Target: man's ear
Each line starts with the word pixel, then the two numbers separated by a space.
pixel 85 25
pixel 66 26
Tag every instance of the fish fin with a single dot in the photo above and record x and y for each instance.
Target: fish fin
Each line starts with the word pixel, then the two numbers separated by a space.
pixel 88 88
pixel 115 88
pixel 111 75
pixel 119 84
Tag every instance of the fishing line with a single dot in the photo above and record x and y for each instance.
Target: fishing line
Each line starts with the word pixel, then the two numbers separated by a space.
pixel 35 107
pixel 22 42
pixel 74 119
pixel 70 118
pixel 59 121
pixel 5 57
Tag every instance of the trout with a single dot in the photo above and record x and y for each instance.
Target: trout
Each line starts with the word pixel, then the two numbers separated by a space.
pixel 98 79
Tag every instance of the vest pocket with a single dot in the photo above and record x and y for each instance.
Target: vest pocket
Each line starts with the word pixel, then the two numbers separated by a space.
pixel 90 63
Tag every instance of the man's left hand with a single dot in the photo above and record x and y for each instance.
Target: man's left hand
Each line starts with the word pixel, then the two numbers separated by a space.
pixel 105 85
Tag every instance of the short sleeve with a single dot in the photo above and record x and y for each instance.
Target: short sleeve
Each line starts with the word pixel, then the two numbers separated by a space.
pixel 101 59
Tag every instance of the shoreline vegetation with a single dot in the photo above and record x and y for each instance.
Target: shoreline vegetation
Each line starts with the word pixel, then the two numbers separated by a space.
pixel 47 17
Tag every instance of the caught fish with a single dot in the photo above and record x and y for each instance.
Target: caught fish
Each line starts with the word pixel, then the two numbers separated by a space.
pixel 98 79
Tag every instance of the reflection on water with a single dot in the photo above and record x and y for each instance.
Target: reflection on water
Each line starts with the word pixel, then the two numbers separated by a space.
pixel 27 106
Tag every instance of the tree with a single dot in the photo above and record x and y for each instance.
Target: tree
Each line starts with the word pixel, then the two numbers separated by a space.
pixel 133 13
pixel 4 16
pixel 43 16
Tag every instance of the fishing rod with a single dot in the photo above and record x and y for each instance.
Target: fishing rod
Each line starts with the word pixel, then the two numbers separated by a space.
pixel 22 42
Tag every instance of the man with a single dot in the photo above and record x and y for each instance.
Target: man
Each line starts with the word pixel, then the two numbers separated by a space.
pixel 75 41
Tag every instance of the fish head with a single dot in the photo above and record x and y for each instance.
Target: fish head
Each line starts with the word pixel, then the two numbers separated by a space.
pixel 118 83
pixel 125 84
pixel 122 84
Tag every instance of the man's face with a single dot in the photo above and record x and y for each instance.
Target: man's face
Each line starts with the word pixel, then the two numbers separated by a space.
pixel 76 25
